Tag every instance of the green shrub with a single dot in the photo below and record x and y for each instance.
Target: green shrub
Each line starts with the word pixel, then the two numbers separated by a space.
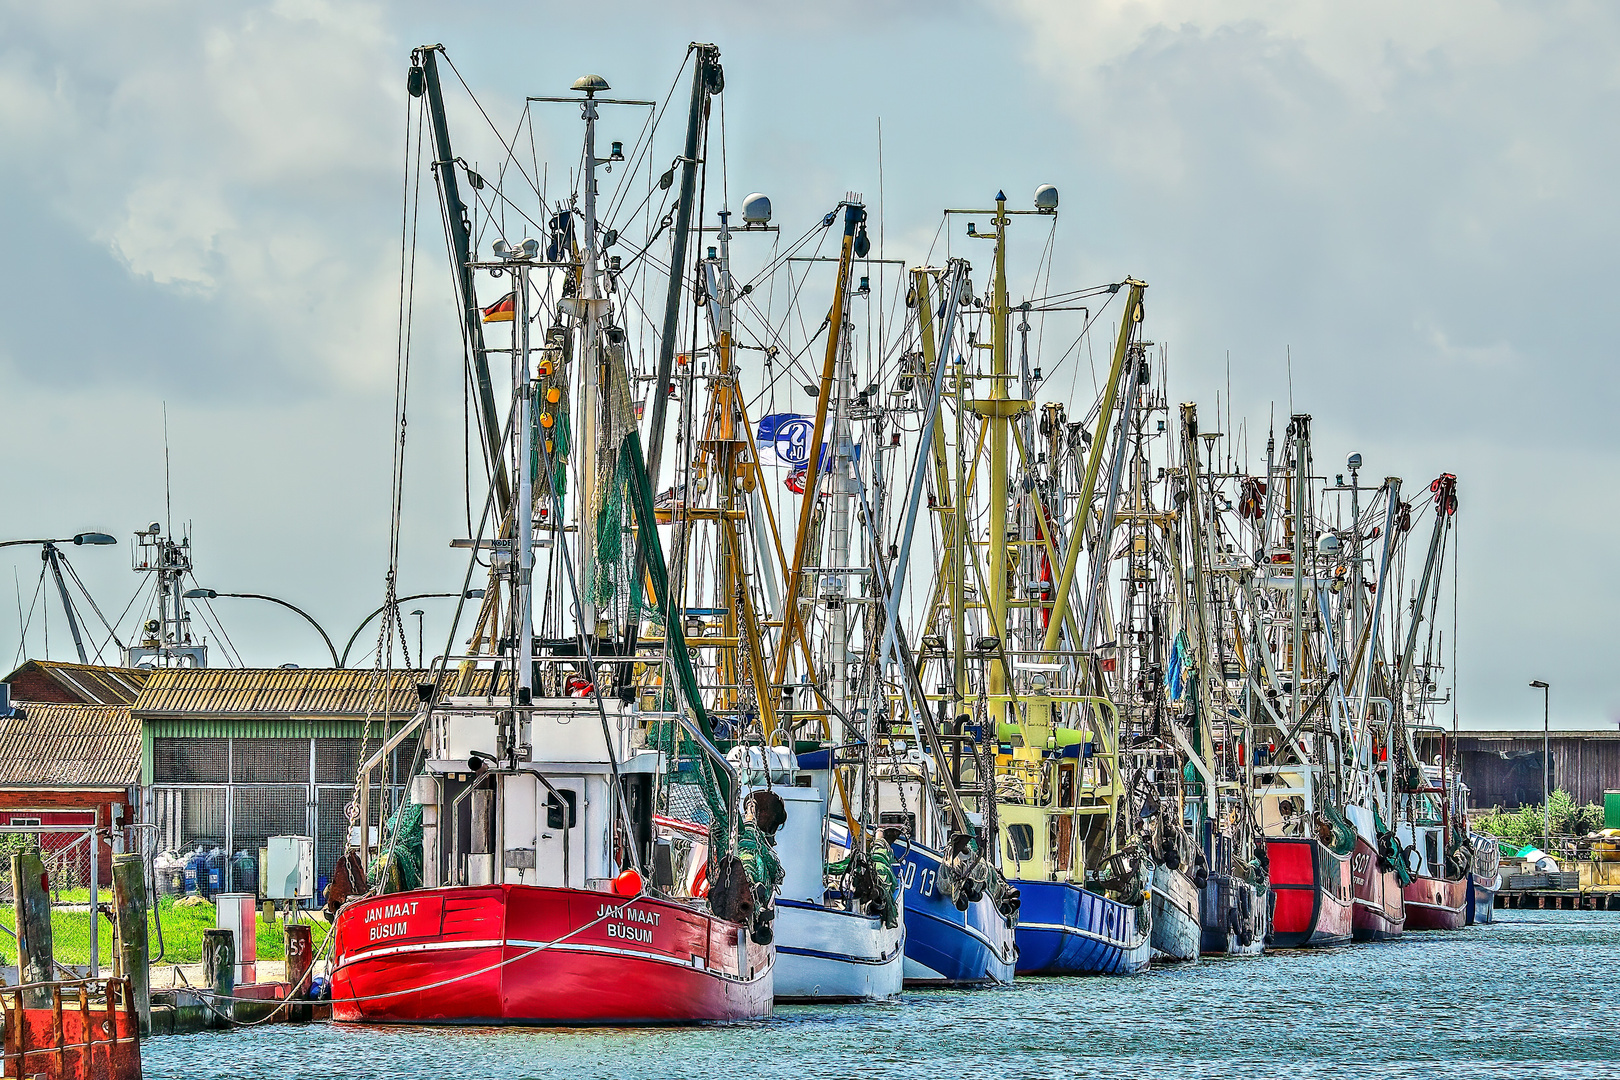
pixel 183 927
pixel 1527 824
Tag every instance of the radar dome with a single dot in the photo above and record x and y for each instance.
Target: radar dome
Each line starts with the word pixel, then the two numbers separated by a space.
pixel 1046 199
pixel 757 209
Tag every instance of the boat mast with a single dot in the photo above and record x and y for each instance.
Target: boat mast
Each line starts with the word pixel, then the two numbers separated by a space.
pixel 707 79
pixel 591 381
pixel 424 80
pixel 836 574
pixel 523 572
pixel 997 417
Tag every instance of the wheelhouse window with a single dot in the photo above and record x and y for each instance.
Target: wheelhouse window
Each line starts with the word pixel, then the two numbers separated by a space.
pixel 1020 842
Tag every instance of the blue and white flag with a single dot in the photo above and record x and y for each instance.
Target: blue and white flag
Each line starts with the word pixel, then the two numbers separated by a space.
pixel 784 439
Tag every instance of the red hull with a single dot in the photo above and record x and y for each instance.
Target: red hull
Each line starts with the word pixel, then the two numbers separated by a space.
pixel 1312 894
pixel 1380 907
pixel 1437 904
pixel 520 954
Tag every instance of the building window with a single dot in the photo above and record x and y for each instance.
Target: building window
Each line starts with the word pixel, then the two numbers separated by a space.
pixel 270 761
pixel 25 821
pixel 191 761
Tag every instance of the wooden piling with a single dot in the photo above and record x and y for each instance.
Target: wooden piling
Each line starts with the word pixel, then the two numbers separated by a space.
pixel 87 1052
pixel 300 958
pixel 130 909
pixel 58 1031
pixel 35 954
pixel 219 972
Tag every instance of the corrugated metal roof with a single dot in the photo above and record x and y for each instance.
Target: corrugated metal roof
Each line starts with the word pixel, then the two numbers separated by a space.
pixel 285 693
pixel 94 684
pixel 70 746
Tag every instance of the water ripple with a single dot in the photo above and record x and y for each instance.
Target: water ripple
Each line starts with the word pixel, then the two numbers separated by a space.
pixel 1524 998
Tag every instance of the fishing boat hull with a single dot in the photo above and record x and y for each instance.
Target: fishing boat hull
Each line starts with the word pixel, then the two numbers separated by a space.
pixel 1482 898
pixel 1064 929
pixel 1437 903
pixel 1484 879
pixel 826 954
pixel 1234 917
pixel 522 954
pixel 1177 932
pixel 1380 907
pixel 1312 891
pixel 946 946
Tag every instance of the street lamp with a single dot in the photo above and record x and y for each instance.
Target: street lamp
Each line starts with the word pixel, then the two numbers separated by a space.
pixel 94 539
pixel 1546 760
pixel 210 594
pixel 53 559
pixel 470 594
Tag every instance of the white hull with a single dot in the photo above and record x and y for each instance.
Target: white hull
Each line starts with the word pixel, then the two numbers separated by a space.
pixel 824 954
pixel 1177 933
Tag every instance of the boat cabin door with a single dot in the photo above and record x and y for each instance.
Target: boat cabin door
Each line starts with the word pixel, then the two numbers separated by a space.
pixel 560 848
pixel 542 839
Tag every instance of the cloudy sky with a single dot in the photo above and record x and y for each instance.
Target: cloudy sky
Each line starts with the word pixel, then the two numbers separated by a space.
pixel 1414 203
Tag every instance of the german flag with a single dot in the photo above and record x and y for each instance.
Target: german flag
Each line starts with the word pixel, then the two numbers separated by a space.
pixel 502 310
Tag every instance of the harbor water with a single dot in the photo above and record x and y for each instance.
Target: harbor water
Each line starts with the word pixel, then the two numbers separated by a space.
pixel 1531 996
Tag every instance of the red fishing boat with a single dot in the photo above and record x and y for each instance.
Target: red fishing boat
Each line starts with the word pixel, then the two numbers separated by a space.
pixel 1437 903
pixel 1438 849
pixel 527 880
pixel 1311 884
pixel 1440 854
pixel 502 954
pixel 1380 909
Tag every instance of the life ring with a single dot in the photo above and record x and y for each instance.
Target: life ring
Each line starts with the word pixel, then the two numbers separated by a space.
pixel 700 882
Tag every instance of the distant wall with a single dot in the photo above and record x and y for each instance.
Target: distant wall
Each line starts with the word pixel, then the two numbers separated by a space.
pixel 1503 768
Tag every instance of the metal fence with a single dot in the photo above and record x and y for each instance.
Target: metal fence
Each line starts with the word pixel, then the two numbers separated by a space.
pixel 229 795
pixel 78 863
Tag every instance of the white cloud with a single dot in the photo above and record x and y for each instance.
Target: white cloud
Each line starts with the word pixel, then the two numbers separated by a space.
pixel 244 156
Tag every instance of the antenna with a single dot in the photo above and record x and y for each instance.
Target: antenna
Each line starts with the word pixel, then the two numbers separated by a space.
pixel 1289 353
pixel 168 494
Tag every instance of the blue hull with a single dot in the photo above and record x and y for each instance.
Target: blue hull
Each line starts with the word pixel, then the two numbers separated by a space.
pixel 1066 930
pixel 1482 899
pixel 945 946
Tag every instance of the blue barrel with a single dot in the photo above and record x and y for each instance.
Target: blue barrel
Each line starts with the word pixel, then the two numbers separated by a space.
pixel 245 872
pixel 196 873
pixel 216 865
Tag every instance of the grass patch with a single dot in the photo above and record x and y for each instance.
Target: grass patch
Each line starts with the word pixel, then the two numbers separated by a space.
pixel 183 927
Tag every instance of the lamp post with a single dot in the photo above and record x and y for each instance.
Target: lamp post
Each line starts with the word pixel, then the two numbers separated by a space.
pixel 470 594
pixel 53 559
pixel 1546 760
pixel 210 594
pixel 421 659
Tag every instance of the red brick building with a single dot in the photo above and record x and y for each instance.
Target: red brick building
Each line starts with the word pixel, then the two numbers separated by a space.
pixel 70 753
pixel 83 684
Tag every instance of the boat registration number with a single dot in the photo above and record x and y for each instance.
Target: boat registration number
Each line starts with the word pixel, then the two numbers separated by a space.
pixel 924 879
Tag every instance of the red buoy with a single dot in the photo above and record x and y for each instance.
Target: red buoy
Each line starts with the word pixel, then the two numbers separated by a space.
pixel 627 884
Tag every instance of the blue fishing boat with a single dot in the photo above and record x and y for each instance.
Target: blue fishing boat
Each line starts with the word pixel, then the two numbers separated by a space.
pixel 949 940
pixel 1064 929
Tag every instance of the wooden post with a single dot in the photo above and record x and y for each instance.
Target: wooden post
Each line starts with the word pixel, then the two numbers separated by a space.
pixel 130 900
pixel 219 972
pixel 110 1019
pixel 300 958
pixel 87 1052
pixel 58 1034
pixel 34 950
pixel 16 1035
